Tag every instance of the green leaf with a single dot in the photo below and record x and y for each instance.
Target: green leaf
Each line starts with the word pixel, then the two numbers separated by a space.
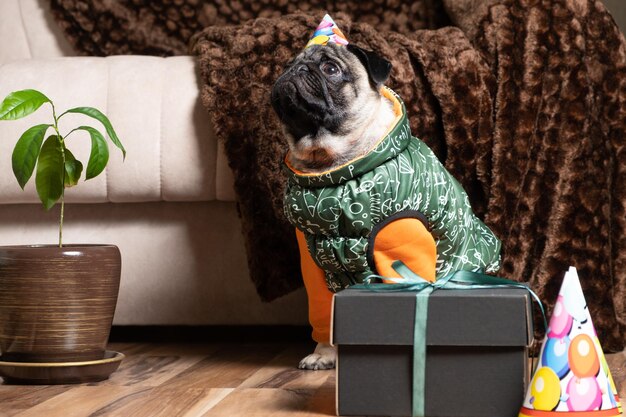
pixel 98 115
pixel 99 156
pixel 73 169
pixel 26 152
pixel 49 177
pixel 21 103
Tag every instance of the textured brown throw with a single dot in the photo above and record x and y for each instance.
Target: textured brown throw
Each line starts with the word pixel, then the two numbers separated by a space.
pixel 524 100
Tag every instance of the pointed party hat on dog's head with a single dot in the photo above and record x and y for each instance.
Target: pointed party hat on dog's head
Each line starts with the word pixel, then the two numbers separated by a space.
pixel 572 375
pixel 327 32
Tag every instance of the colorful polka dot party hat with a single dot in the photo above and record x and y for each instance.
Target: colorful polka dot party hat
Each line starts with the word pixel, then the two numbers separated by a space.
pixel 572 375
pixel 327 32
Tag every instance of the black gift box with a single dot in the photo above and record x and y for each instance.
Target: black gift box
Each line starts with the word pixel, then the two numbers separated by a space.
pixel 476 352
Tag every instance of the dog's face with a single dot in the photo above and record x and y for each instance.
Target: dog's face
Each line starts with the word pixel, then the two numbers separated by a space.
pixel 323 95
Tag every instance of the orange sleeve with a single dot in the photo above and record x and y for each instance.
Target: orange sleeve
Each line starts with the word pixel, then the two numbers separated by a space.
pixel 320 297
pixel 407 240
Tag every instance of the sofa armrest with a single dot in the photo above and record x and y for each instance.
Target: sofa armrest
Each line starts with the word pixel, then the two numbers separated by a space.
pixel 154 106
pixel 28 31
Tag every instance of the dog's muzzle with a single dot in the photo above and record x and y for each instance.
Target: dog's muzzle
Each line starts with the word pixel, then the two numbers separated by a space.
pixel 295 97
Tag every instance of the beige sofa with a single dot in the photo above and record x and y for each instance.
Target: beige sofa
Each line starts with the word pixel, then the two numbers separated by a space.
pixel 169 206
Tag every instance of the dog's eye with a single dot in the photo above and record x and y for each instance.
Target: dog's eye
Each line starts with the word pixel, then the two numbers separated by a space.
pixel 330 68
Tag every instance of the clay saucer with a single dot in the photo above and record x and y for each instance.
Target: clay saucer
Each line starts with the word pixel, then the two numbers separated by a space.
pixel 49 373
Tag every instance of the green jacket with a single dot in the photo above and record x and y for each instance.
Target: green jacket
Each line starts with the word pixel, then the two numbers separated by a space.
pixel 401 177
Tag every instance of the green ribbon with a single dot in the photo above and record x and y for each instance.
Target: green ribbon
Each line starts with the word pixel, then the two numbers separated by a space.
pixel 410 281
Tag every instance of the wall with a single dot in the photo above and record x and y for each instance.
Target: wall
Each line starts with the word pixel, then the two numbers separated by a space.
pixel 618 10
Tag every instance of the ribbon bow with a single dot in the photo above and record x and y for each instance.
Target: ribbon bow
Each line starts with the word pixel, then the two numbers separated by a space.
pixel 410 281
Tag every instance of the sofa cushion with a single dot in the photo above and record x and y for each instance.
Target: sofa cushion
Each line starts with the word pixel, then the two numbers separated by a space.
pixel 154 107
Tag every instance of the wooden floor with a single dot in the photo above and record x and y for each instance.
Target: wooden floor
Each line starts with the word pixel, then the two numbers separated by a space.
pixel 226 380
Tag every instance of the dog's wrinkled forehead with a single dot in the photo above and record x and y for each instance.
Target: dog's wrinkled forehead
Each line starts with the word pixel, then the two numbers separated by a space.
pixel 337 54
pixel 317 52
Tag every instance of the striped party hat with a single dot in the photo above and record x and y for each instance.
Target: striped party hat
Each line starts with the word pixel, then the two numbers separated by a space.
pixel 327 32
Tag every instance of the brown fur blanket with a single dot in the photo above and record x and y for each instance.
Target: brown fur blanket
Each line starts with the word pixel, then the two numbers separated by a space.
pixel 524 101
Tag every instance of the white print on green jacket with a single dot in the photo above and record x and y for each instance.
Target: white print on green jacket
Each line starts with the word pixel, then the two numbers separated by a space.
pixel 337 210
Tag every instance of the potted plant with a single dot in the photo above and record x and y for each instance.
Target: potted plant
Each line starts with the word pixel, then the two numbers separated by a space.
pixel 56 301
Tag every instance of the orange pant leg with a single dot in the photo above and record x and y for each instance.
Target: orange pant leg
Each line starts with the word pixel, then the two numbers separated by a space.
pixel 404 239
pixel 320 297
pixel 407 240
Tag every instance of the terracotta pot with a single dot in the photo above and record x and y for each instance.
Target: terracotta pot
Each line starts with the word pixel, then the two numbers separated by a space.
pixel 57 304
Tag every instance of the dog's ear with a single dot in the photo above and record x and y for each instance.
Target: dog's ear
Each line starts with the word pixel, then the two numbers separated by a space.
pixel 377 67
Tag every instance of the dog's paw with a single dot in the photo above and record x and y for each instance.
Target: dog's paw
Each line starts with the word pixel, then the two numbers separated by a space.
pixel 324 357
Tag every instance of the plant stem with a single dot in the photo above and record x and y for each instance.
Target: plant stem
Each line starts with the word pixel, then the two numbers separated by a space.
pixel 61 220
pixel 61 144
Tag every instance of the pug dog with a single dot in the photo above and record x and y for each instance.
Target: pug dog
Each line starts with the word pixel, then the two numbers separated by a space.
pixel 363 192
pixel 329 102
